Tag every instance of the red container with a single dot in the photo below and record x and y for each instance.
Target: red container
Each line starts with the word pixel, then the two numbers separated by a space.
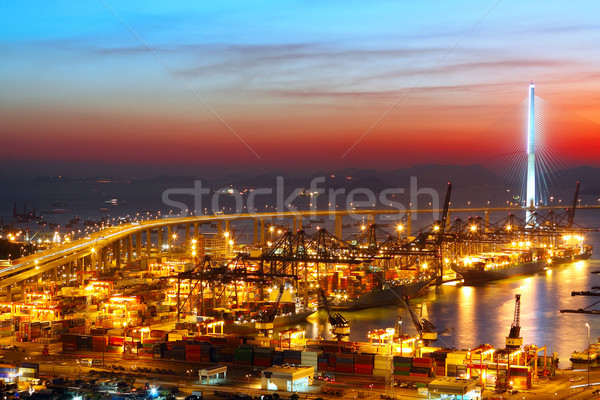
pixel 115 341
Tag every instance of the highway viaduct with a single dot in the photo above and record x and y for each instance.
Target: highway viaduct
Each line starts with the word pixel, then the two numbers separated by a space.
pixel 117 245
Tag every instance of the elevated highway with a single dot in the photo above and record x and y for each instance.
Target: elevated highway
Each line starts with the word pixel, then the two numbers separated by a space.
pixel 92 252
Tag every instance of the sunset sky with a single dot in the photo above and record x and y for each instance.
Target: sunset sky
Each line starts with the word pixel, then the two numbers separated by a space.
pixel 151 87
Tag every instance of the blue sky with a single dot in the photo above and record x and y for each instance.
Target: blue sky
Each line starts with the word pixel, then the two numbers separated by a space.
pixel 315 70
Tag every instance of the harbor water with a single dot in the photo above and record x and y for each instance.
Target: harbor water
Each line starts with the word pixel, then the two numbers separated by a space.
pixel 473 315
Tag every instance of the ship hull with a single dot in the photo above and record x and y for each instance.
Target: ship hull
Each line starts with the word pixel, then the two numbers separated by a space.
pixel 279 321
pixel 474 276
pixel 384 297
pixel 581 256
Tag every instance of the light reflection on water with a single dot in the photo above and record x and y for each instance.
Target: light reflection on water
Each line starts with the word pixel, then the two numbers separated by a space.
pixel 483 314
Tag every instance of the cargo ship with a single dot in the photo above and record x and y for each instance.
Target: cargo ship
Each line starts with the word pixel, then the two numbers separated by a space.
pixel 390 294
pixel 587 356
pixel 488 267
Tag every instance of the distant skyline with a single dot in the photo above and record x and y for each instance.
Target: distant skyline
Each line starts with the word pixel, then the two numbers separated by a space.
pixel 151 88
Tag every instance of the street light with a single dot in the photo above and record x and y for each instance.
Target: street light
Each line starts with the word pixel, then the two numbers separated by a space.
pixel 588 353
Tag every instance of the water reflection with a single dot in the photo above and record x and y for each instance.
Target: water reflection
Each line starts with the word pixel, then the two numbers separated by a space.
pixel 483 314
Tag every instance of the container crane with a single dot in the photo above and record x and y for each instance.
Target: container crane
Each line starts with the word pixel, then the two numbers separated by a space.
pixel 339 324
pixel 265 319
pixel 514 339
pixel 425 329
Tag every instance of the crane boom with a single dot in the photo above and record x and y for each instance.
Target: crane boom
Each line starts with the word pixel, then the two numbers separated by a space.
pixel 514 339
pixel 265 321
pixel 424 327
pixel 339 324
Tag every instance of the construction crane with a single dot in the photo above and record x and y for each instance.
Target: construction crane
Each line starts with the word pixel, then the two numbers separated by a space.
pixel 266 318
pixel 514 339
pixel 339 324
pixel 425 329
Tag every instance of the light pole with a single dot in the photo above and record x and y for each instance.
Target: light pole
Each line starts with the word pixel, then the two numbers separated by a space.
pixel 172 244
pixel 588 353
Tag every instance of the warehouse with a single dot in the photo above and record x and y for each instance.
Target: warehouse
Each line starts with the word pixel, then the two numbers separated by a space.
pixel 291 379
pixel 449 388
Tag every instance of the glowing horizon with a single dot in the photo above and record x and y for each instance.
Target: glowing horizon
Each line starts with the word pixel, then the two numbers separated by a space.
pixel 186 86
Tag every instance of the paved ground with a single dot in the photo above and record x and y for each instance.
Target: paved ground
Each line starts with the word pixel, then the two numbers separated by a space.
pixel 567 384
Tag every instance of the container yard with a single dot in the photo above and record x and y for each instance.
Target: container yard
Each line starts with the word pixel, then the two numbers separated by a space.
pixel 213 303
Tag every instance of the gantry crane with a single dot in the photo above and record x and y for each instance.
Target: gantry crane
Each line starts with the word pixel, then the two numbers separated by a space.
pixel 339 324
pixel 425 329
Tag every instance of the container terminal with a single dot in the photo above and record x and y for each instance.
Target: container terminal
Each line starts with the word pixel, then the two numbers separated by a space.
pixel 213 302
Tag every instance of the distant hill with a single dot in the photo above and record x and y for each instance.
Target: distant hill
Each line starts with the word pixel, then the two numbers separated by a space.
pixel 471 181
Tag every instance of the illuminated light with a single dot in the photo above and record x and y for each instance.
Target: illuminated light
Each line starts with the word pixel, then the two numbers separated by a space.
pixel 508 227
pixel 530 193
pixel 436 228
pixel 400 227
pixel 473 228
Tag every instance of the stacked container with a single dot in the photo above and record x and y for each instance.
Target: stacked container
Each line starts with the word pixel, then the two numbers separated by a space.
pixel 322 362
pixel 175 351
pixel 344 363
pixel 244 355
pixel 69 342
pixel 226 354
pixel 193 352
pixel 292 357
pixel 381 365
pixel 422 367
pixel 263 357
pixel 455 364
pixel 6 328
pixel 278 357
pixel 310 359
pixel 402 366
pixel 439 362
pixel 363 364
pixel 84 343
